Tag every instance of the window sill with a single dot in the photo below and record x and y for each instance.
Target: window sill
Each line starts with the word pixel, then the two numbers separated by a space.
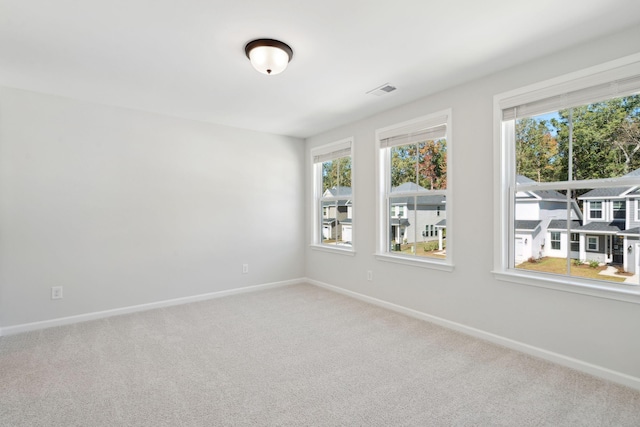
pixel 627 293
pixel 413 261
pixel 332 249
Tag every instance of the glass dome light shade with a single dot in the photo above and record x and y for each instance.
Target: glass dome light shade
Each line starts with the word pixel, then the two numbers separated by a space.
pixel 269 56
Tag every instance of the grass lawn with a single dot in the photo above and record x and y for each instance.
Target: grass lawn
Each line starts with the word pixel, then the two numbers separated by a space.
pixel 408 249
pixel 559 266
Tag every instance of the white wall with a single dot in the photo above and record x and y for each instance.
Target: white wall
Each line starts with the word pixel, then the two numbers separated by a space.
pixel 122 207
pixel 598 331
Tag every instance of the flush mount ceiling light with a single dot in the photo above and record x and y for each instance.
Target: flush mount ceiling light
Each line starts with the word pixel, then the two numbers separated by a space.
pixel 268 56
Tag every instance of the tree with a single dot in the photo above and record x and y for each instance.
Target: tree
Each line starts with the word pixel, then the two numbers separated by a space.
pixel 424 163
pixel 336 173
pixel 432 164
pixel 605 139
pixel 403 164
pixel 536 150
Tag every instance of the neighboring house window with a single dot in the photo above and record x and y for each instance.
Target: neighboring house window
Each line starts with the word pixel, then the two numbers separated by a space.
pixel 575 242
pixel 554 134
pixel 595 210
pixel 637 209
pixel 333 195
pixel 414 164
pixel 619 209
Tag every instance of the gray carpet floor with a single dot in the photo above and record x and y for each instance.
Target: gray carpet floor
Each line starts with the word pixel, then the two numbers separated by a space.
pixel 291 356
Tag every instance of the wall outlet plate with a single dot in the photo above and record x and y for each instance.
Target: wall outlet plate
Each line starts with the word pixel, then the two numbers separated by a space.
pixel 56 292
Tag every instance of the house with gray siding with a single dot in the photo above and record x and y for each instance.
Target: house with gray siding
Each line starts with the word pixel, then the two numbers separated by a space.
pixel 611 229
pixel 416 218
pixel 540 227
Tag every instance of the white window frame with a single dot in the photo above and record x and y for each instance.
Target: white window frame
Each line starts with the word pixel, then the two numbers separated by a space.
pixel 504 173
pixel 588 246
pixel 572 241
pixel 558 240
pixel 592 210
pixel 614 210
pixel 383 180
pixel 340 148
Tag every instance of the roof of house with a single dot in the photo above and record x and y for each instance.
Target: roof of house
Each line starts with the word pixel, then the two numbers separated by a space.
pixel 561 224
pixel 542 194
pixel 400 221
pixel 633 232
pixel 338 192
pixel 605 192
pixel 527 224
pixel 613 191
pixel 442 223
pixel 407 186
pixel 612 227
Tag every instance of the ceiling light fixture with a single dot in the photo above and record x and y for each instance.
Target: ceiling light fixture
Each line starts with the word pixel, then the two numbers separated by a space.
pixel 268 56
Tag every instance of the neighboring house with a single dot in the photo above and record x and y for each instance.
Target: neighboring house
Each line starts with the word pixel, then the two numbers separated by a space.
pixel 337 217
pixel 420 218
pixel 541 224
pixel 611 229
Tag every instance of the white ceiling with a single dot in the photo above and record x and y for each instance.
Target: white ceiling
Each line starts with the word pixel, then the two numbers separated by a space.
pixel 186 57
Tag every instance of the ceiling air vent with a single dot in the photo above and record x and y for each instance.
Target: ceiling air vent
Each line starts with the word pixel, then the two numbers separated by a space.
pixel 382 90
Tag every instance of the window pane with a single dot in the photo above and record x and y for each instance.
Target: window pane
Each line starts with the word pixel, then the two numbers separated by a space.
pixel 336 173
pixel 537 156
pixel 403 167
pixel 417 226
pixel 398 224
pixel 329 222
pixel 432 164
pixel 603 139
pixel 337 220
pixel 595 248
pixel 430 214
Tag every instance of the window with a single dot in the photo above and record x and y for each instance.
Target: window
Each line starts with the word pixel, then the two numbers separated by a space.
pixel 570 146
pixel 333 196
pixel 595 210
pixel 575 242
pixel 413 165
pixel 619 209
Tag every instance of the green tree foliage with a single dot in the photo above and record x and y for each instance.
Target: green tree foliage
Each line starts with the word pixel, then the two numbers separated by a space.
pixel 424 164
pixel 403 165
pixel 605 138
pixel 536 150
pixel 336 173
pixel 605 142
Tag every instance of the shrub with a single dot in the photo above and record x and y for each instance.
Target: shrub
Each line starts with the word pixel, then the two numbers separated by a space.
pixel 431 246
pixel 578 262
pixel 593 263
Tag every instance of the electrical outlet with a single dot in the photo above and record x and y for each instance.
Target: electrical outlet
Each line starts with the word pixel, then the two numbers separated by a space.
pixel 369 275
pixel 56 292
pixel 245 268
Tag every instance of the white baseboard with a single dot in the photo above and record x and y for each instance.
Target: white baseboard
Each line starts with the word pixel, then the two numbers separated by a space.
pixel 579 365
pixel 26 327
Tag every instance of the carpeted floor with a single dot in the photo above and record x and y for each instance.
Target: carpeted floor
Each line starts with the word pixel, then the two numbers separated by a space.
pixel 291 356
